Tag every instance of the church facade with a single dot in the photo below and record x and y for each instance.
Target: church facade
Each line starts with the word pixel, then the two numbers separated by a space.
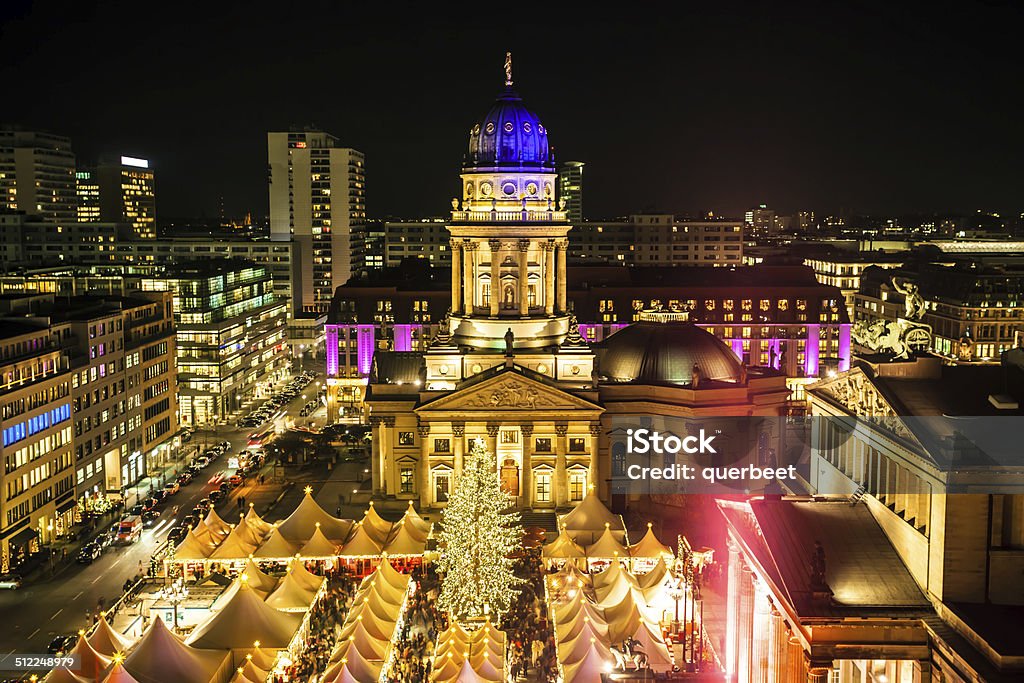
pixel 509 364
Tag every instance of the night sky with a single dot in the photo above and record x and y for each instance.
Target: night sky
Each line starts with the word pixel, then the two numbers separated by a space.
pixel 882 107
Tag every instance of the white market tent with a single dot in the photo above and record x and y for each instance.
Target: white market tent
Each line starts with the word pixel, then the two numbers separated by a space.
pixel 607 547
pixel 259 579
pixel 291 595
pixel 300 525
pixel 413 517
pixel 406 539
pixel 376 526
pixel 353 667
pixel 192 547
pixel 162 656
pixel 362 544
pixel 90 662
pixel 244 619
pixel 587 521
pixel 216 525
pixel 305 578
pixel 257 522
pixel 276 547
pixel 462 655
pixel 62 675
pixel 108 642
pixel 563 548
pixel 318 547
pixel 118 674
pixel 648 550
pixel 589 666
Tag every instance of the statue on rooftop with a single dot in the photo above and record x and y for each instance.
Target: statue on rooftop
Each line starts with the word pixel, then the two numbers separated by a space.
pixel 510 339
pixel 914 306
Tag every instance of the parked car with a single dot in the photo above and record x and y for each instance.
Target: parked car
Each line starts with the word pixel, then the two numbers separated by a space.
pixel 172 488
pixel 184 479
pixel 189 521
pixel 225 487
pixel 177 534
pixel 216 495
pixel 61 644
pixel 138 509
pixel 89 552
pixel 10 581
pixel 235 480
pixel 149 517
pixel 205 504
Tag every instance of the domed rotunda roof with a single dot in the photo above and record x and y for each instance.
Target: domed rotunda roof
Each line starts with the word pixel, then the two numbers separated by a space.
pixel 665 353
pixel 509 135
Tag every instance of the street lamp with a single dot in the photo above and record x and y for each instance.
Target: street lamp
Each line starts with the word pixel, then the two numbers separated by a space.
pixel 676 591
pixel 175 594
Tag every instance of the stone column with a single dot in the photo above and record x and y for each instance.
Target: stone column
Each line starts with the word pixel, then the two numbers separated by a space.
pixel 595 448
pixel 388 461
pixel 423 430
pixel 796 669
pixel 376 456
pixel 732 607
pixel 777 646
pixel 469 279
pixel 563 247
pixel 524 282
pixel 759 634
pixel 549 278
pixel 527 475
pixel 492 445
pixel 456 247
pixel 458 443
pixel 495 246
pixel 561 430
pixel 745 627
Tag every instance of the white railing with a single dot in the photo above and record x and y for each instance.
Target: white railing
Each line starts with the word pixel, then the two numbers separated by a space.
pixel 508 216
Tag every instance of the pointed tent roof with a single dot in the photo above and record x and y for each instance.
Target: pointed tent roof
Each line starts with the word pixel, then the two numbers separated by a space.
pixel 240 677
pixel 368 645
pixel 653 577
pixel 413 517
pixel 318 546
pixel 258 578
pixel 215 524
pixel 658 657
pixel 570 630
pixel 118 675
pixel 229 594
pixel 257 522
pixel 623 620
pixel 234 547
pixel 300 525
pixel 252 672
pixel 379 590
pixel 90 662
pixel 488 668
pixel 62 675
pixel 262 659
pixel 192 548
pixel 276 546
pixel 244 619
pixel 161 656
pixel 304 577
pixel 650 546
pixel 563 547
pixel 587 521
pixel 362 544
pixel 291 595
pixel 585 610
pixel 607 547
pixel 394 577
pixel 352 667
pixel 106 641
pixel 589 667
pixel 572 651
pixel 375 525
pixel 446 667
pixel 375 625
pixel 406 539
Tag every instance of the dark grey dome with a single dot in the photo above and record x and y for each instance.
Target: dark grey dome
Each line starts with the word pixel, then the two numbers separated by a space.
pixel 665 353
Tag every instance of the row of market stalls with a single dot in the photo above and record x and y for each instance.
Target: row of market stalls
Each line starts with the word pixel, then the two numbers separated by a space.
pixel 602 621
pixel 640 557
pixel 365 649
pixel 309 533
pixel 257 622
pixel 464 656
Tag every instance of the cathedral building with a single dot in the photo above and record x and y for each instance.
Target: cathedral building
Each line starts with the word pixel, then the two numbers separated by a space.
pixel 509 364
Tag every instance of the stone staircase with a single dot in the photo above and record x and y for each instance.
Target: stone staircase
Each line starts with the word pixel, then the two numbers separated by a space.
pixel 544 519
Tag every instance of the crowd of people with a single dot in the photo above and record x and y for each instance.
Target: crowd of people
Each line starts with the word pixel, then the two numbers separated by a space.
pixel 423 621
pixel 531 641
pixel 325 619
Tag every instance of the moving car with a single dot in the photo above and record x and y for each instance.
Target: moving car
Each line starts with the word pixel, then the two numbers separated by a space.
pixel 235 480
pixel 149 517
pixel 89 552
pixel 10 581
pixel 61 644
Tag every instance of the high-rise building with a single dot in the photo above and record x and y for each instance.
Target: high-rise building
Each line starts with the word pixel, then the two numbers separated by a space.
pixel 658 240
pixel 87 191
pixel 38 477
pixel 230 338
pixel 570 190
pixel 760 221
pixel 317 200
pixel 128 195
pixel 37 174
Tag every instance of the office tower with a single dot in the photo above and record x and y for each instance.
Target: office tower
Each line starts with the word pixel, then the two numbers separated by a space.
pixel 230 335
pixel 87 191
pixel 128 195
pixel 760 221
pixel 317 199
pixel 37 174
pixel 570 190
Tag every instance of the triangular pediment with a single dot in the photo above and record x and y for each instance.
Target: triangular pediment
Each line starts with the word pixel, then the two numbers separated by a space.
pixel 508 391
pixel 856 393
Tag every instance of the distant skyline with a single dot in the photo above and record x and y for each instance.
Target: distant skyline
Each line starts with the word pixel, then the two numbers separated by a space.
pixel 882 108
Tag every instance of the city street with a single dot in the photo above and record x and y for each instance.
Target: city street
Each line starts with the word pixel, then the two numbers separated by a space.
pixel 46 607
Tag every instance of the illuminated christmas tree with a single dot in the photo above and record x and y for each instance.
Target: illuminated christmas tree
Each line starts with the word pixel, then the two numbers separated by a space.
pixel 479 535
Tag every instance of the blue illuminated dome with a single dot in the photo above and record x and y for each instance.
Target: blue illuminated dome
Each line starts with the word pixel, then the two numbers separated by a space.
pixel 509 136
